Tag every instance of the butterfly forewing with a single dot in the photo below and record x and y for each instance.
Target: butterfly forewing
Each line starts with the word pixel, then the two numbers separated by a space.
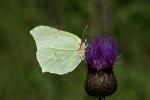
pixel 47 37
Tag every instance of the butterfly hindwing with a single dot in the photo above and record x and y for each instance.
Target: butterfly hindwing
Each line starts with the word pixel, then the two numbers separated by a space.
pixel 58 61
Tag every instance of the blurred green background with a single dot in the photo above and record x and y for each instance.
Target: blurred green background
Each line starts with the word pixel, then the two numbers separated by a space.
pixel 20 75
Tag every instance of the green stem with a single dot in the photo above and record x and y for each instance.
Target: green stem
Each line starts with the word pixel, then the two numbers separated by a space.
pixel 101 98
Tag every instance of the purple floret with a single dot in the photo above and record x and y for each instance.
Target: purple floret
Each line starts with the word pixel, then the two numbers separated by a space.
pixel 102 52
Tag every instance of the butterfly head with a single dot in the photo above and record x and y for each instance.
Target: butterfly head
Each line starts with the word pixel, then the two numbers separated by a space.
pixel 82 49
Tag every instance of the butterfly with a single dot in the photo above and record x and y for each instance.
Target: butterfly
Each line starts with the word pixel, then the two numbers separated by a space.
pixel 58 51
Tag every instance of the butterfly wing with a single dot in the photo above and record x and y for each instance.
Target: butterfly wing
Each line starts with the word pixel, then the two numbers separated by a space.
pixel 56 50
pixel 47 37
pixel 58 61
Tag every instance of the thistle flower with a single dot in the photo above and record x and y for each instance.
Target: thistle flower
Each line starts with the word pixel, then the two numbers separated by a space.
pixel 102 52
pixel 100 56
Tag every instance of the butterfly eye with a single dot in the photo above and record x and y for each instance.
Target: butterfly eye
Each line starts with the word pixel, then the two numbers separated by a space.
pixel 56 37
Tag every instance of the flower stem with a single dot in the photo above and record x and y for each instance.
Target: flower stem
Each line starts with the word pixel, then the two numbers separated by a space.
pixel 101 98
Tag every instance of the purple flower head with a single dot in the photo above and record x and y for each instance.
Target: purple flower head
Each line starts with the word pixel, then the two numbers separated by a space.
pixel 102 52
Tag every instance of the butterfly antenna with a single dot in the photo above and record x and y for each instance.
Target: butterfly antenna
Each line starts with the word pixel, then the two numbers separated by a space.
pixel 84 32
